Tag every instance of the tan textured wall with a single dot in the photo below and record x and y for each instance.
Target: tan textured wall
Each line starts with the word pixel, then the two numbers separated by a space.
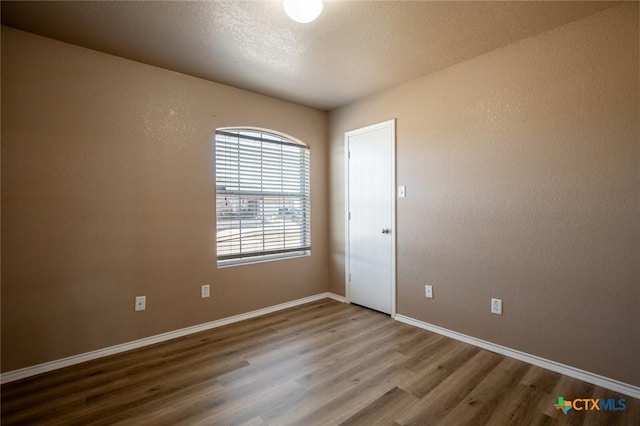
pixel 522 175
pixel 108 193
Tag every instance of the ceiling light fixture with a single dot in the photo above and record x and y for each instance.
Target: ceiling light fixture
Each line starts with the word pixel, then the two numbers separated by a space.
pixel 303 11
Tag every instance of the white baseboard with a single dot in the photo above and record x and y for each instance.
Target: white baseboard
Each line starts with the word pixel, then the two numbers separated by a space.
pixel 337 297
pixel 22 373
pixel 586 376
pixel 567 370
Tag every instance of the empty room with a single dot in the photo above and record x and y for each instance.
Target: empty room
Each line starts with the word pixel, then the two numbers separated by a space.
pixel 320 212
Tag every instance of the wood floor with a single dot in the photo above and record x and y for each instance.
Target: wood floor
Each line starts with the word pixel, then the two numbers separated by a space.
pixel 324 363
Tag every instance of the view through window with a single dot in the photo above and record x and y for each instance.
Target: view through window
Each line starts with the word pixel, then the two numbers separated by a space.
pixel 262 196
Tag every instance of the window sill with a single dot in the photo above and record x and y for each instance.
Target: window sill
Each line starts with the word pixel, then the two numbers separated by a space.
pixel 261 259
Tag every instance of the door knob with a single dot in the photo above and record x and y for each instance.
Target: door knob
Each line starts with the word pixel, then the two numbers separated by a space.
pixel 386 230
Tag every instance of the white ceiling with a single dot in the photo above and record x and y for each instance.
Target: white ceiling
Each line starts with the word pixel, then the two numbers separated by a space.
pixel 353 49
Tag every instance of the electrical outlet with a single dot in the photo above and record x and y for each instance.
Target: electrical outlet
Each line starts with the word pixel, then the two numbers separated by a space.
pixel 428 291
pixel 204 291
pixel 141 303
pixel 496 306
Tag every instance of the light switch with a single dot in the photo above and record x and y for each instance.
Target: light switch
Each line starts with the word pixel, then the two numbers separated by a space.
pixel 402 191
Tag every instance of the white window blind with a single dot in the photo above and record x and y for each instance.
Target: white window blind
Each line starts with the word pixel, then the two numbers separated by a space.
pixel 262 196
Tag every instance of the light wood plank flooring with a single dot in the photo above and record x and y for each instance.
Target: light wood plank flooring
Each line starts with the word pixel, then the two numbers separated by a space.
pixel 323 363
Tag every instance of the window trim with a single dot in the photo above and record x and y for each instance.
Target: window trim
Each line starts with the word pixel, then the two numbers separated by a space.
pixel 268 255
pixel 226 263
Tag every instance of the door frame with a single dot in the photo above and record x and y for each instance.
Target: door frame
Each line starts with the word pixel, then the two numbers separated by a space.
pixel 392 124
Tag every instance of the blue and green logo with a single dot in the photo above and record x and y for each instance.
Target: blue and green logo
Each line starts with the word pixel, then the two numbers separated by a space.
pixel 589 404
pixel 563 405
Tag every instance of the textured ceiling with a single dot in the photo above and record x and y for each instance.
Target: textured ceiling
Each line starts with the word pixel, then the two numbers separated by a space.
pixel 355 48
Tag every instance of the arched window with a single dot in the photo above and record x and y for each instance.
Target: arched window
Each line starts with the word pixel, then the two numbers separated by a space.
pixel 263 207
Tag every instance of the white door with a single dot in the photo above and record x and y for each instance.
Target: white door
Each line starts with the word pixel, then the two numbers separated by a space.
pixel 370 217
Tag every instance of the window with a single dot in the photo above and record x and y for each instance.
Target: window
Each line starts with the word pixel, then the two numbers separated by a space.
pixel 262 196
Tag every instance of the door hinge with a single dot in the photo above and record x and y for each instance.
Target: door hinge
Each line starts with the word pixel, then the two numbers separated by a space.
pixel 349 215
pixel 349 155
pixel 349 276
